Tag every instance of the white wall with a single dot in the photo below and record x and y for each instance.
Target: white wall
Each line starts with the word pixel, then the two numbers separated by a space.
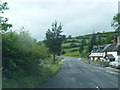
pixel 114 54
pixel 96 58
pixel 97 54
pixel 101 58
pixel 118 56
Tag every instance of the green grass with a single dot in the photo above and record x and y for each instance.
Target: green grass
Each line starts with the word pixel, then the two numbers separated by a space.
pixel 68 44
pixel 70 49
pixel 74 39
pixel 33 80
pixel 72 54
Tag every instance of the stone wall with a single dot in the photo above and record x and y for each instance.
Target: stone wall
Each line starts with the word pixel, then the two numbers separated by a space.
pixel 95 63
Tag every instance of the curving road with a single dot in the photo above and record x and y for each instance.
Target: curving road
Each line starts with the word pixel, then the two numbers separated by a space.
pixel 76 74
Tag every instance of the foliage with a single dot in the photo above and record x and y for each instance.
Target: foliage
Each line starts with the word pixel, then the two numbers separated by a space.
pixel 85 44
pixel 72 45
pixel 54 39
pixel 74 50
pixel 21 54
pixel 25 61
pixel 69 37
pixel 92 42
pixel 63 52
pixel 116 22
pixel 81 48
pixel 33 80
pixel 4 26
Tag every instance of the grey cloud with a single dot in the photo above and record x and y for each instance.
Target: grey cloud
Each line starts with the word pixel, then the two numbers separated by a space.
pixel 77 18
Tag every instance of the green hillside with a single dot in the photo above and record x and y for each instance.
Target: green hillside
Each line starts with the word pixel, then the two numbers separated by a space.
pixel 80 46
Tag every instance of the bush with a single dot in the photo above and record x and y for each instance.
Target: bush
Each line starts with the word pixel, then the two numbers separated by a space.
pixel 63 52
pixel 74 50
pixel 21 54
pixel 25 61
pixel 33 80
pixel 72 45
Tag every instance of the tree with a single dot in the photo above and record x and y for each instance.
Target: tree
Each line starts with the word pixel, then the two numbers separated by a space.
pixel 4 26
pixel 63 52
pixel 54 39
pixel 64 38
pixel 69 37
pixel 116 23
pixel 92 42
pixel 81 48
pixel 82 45
pixel 99 39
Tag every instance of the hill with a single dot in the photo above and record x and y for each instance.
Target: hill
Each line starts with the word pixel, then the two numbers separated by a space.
pixel 80 46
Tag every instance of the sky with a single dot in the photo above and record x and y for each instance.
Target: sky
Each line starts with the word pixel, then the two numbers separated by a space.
pixel 79 17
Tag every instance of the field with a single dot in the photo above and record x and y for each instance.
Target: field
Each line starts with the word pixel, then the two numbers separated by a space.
pixel 79 46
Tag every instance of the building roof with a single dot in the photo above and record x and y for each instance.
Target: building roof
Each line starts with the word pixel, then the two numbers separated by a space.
pixel 110 56
pixel 106 48
pixel 115 46
pixel 98 48
pixel 110 47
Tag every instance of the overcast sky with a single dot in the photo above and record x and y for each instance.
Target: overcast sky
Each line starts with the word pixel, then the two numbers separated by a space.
pixel 78 17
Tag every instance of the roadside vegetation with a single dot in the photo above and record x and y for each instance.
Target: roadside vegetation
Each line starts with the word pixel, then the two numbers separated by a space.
pixel 26 62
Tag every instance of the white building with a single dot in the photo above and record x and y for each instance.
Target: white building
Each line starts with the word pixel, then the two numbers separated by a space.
pixel 108 52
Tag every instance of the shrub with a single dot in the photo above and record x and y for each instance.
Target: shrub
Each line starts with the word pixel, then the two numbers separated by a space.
pixel 63 52
pixel 21 54
pixel 74 50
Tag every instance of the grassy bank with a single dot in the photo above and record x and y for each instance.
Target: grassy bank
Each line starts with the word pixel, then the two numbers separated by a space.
pixel 72 54
pixel 33 80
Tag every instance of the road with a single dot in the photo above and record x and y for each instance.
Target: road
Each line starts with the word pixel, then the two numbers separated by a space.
pixel 76 74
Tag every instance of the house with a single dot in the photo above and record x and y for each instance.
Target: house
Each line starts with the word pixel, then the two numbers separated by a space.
pixel 97 53
pixel 108 52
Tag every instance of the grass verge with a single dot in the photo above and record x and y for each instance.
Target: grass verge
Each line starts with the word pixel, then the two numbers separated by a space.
pixel 72 54
pixel 33 80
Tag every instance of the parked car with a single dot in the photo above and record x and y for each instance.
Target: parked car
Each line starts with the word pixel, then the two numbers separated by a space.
pixel 115 64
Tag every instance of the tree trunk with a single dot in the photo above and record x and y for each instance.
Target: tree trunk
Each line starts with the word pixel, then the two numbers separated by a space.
pixel 54 57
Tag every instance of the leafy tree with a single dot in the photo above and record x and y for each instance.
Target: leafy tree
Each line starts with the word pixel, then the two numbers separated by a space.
pixel 116 23
pixel 99 39
pixel 85 52
pixel 92 42
pixel 83 42
pixel 64 38
pixel 4 26
pixel 63 52
pixel 82 45
pixel 21 54
pixel 69 37
pixel 81 48
pixel 54 39
pixel 72 45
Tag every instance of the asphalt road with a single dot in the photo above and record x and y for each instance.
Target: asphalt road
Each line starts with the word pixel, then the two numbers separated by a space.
pixel 76 74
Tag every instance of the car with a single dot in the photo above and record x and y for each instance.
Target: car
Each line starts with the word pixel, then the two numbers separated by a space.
pixel 115 64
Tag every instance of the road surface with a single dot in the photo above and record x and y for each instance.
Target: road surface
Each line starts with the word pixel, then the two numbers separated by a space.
pixel 76 74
